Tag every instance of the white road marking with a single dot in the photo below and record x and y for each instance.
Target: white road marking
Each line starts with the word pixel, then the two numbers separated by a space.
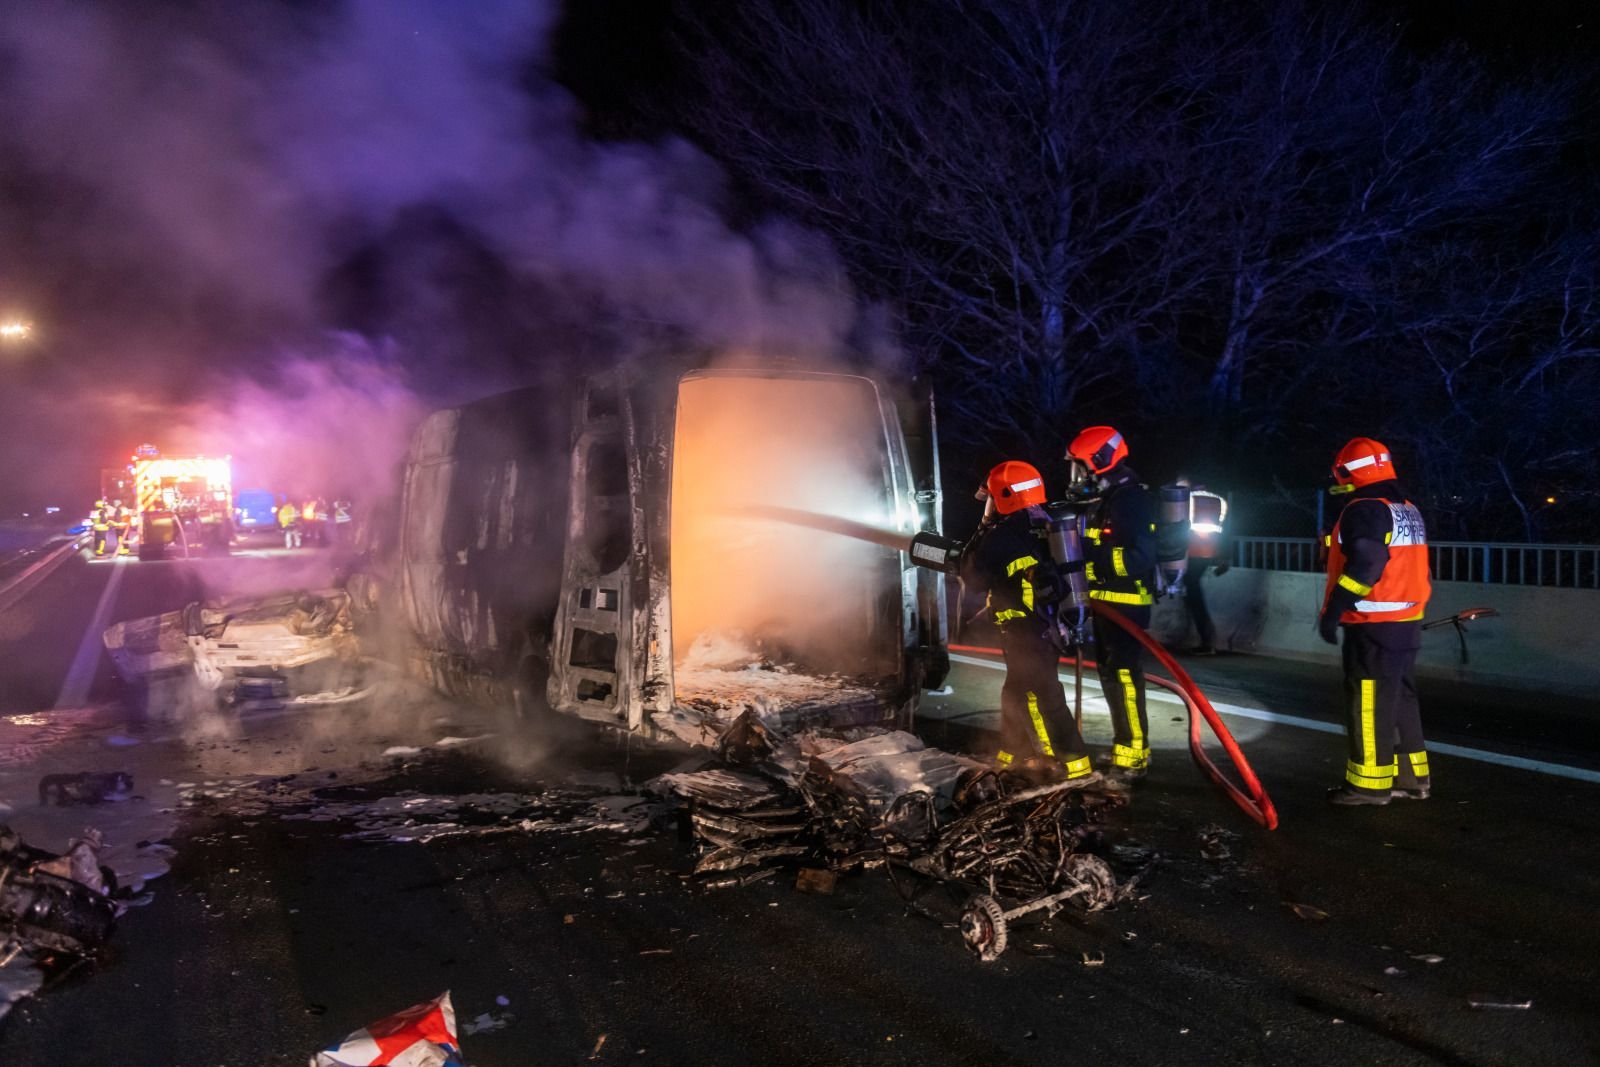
pixel 1557 770
pixel 80 676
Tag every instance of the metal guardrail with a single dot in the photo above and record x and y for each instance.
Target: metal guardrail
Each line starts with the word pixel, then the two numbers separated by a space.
pixel 1484 562
pixel 15 587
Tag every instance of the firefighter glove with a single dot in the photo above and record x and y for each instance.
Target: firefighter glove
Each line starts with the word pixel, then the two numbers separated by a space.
pixel 1328 626
pixel 1220 569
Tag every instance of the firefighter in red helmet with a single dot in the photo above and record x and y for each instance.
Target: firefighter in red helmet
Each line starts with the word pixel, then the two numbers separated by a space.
pixel 1120 561
pixel 1377 589
pixel 1010 558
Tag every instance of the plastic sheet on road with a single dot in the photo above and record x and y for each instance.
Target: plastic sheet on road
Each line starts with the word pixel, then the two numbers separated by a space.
pixel 420 1036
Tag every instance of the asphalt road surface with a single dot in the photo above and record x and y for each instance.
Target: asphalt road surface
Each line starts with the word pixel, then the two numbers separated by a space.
pixel 272 937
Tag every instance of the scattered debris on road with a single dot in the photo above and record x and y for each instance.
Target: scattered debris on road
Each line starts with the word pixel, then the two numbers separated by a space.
pixel 837 800
pixel 1498 1002
pixel 55 911
pixel 85 787
pixel 1307 912
pixel 1216 843
pixel 421 1036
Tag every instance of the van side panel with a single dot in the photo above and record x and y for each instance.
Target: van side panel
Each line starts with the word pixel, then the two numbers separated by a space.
pixel 483 513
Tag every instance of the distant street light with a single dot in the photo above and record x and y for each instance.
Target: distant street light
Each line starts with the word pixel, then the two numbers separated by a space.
pixel 15 330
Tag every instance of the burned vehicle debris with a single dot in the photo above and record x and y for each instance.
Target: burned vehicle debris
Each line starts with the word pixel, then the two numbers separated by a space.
pixel 583 553
pixel 52 904
pixel 872 798
pixel 239 646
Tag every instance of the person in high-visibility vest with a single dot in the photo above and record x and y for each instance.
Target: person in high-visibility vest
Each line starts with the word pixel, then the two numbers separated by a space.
pixel 1377 590
pixel 122 521
pixel 100 522
pixel 289 522
pixel 1207 513
pixel 1120 563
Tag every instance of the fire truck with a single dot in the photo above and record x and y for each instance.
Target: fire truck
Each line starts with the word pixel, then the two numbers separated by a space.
pixel 182 501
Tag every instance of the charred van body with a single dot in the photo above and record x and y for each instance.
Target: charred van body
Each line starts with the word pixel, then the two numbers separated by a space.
pixel 587 552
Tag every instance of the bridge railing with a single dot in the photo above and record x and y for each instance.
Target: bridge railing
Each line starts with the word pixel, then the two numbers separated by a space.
pixel 1486 562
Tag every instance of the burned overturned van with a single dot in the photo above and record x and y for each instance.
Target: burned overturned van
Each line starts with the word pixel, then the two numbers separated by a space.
pixel 603 554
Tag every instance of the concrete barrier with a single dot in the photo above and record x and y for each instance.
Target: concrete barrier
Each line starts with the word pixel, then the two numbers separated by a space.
pixel 1546 639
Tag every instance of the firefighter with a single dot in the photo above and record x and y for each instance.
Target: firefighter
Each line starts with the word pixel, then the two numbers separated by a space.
pixel 289 522
pixel 1010 558
pixel 1120 562
pixel 100 523
pixel 341 521
pixel 1207 513
pixel 1377 589
pixel 127 529
pixel 122 523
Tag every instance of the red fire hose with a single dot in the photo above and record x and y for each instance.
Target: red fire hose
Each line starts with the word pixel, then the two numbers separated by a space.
pixel 1252 799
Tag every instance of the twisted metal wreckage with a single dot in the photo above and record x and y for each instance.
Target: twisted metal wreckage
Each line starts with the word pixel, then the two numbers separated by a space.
pixel 53 907
pixel 869 798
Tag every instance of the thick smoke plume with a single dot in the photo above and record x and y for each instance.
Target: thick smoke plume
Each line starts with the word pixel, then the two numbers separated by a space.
pixel 200 188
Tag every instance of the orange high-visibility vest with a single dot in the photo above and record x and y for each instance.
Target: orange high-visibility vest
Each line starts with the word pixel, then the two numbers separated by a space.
pixel 1402 591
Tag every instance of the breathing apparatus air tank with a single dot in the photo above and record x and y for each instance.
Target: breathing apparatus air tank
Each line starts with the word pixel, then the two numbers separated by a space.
pixel 1172 537
pixel 1065 538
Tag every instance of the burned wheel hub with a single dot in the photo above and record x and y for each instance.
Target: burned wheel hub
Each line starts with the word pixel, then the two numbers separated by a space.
pixel 983 928
pixel 1095 876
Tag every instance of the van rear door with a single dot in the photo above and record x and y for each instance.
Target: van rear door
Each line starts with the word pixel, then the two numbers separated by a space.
pixel 919 419
pixel 605 569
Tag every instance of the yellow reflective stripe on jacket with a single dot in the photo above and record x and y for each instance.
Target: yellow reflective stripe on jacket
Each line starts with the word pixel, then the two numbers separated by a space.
pixel 1088 572
pixel 1347 582
pixel 1027 594
pixel 1118 566
pixel 1003 758
pixel 1093 534
pixel 1008 614
pixel 1022 563
pixel 1121 598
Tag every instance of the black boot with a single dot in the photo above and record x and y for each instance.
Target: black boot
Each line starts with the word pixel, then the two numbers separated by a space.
pixel 1346 797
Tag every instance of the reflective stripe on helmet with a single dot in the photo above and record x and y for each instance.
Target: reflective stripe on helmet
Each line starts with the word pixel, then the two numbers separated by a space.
pixel 1031 483
pixel 1365 461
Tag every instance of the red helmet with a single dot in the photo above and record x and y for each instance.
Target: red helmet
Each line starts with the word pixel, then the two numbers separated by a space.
pixel 1014 485
pixel 1361 462
pixel 1100 448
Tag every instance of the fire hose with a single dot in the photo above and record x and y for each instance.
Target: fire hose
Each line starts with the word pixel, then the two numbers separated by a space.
pixel 1252 799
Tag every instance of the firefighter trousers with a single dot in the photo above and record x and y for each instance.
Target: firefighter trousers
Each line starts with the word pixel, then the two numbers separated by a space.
pixel 1118 658
pixel 1383 723
pixel 1034 716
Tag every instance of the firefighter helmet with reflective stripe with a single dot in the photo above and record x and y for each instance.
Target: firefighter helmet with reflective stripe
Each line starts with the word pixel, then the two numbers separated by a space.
pixel 1014 485
pixel 1100 448
pixel 1360 462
